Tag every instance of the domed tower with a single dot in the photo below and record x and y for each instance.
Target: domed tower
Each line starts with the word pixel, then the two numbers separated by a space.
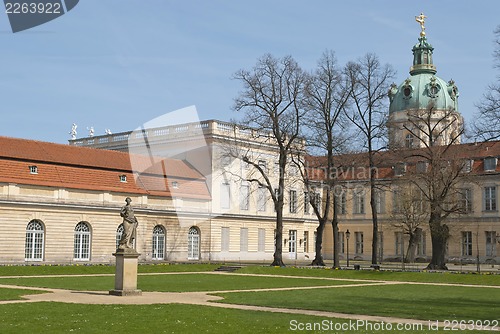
pixel 424 108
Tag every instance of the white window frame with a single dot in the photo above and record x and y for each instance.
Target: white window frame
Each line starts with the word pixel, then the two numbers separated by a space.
pixel 490 198
pixel 490 164
pixel 82 242
pixel 359 242
pixel 261 199
pixel 467 243
pixel 225 195
pixel 34 246
pixel 244 196
pixel 193 244
pixel 293 200
pixel 358 202
pixel 491 241
pixel 158 245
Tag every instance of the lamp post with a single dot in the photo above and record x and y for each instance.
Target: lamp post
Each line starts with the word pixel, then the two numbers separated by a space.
pixel 347 236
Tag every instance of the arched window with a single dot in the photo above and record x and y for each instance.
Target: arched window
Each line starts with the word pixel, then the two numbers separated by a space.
pixel 81 246
pixel 34 243
pixel 158 243
pixel 193 244
pixel 119 233
pixel 409 141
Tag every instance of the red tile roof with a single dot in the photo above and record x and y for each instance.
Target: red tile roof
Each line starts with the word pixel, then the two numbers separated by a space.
pixel 96 169
pixel 355 166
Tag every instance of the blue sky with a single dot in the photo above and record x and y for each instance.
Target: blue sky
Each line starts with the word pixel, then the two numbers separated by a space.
pixel 119 63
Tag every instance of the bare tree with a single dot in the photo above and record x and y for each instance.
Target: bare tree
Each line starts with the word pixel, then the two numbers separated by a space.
pixel 437 132
pixel 409 214
pixel 272 98
pixel 369 82
pixel 326 98
pixel 486 124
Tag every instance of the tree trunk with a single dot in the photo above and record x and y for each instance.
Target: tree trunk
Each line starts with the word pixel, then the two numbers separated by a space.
pixel 336 243
pixel 318 259
pixel 373 206
pixel 278 247
pixel 415 236
pixel 439 235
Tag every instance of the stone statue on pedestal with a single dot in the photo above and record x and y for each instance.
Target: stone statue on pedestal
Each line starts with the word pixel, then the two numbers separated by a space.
pixel 130 224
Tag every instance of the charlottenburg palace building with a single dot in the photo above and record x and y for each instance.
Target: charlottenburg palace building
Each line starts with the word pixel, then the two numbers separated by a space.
pixel 61 203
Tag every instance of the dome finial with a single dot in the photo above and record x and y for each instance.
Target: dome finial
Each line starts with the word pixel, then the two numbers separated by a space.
pixel 421 19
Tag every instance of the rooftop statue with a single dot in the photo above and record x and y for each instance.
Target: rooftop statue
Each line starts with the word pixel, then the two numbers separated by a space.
pixel 421 19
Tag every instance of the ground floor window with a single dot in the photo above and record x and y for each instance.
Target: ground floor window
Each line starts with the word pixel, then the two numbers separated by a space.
pixel 359 242
pixel 81 245
pixel 421 244
pixel 119 233
pixel 158 251
pixel 398 239
pixel 491 237
pixel 193 244
pixel 467 243
pixel 34 242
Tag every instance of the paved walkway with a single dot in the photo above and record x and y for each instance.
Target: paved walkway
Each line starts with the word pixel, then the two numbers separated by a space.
pixel 207 299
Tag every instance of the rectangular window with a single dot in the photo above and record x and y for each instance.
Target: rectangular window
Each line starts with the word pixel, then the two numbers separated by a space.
pixel 491 238
pixel 421 244
pixel 225 196
pixel 400 169
pixel 343 203
pixel 490 198
pixel 262 240
pixel 306 242
pixel 399 244
pixel 244 196
pixel 490 164
pixel 306 202
pixel 467 166
pixel 380 201
pixel 359 202
pixel 33 169
pixel 261 199
pixel 466 199
pixel 467 243
pixel 342 243
pixel 224 247
pixel 397 203
pixel 317 200
pixel 359 242
pixel 293 201
pixel 244 239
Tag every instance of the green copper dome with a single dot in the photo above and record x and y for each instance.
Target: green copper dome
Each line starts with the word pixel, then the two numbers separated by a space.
pixel 423 87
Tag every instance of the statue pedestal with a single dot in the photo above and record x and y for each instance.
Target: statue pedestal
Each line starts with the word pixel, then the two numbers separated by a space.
pixel 126 273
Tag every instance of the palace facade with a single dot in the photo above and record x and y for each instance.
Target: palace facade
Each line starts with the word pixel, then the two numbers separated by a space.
pixel 190 190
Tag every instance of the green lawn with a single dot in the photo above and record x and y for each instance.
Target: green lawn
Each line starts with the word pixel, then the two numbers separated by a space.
pixel 170 283
pixel 425 302
pixel 16 294
pixel 63 318
pixel 428 277
pixel 99 269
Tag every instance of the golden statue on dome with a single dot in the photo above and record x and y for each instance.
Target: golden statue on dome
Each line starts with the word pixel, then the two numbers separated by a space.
pixel 421 19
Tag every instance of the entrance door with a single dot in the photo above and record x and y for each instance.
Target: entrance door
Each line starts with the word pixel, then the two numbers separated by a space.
pixel 292 244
